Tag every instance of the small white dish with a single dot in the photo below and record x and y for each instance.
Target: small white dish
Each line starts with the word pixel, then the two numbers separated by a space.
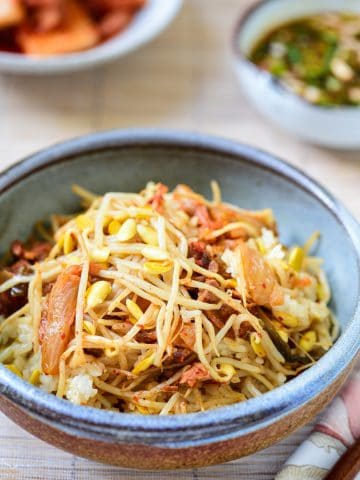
pixel 335 127
pixel 147 24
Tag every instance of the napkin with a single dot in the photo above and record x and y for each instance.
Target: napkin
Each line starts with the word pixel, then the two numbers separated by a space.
pixel 336 430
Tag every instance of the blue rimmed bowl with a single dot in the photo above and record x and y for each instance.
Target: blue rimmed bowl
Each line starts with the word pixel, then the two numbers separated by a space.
pixel 334 127
pixel 126 160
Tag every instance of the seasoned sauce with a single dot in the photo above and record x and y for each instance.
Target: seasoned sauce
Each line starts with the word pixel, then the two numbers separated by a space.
pixel 316 57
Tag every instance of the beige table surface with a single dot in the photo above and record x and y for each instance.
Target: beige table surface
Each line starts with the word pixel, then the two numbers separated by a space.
pixel 184 79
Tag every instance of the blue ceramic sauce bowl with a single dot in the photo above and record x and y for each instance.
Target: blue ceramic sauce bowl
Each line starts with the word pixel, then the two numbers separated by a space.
pixel 334 127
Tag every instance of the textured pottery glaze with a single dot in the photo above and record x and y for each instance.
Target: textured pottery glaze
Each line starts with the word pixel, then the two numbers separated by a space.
pixel 126 160
pixel 334 127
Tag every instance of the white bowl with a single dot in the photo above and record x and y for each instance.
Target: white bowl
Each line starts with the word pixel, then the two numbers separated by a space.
pixel 336 127
pixel 147 24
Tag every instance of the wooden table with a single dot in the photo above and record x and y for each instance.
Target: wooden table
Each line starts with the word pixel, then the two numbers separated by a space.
pixel 184 79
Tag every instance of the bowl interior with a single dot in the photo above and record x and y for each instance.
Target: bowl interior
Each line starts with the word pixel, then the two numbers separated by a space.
pixel 243 181
pixel 263 18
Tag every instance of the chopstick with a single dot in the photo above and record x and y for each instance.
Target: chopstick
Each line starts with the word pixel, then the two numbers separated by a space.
pixel 347 466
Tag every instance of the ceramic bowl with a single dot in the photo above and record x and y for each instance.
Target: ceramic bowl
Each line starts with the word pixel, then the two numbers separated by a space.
pixel 335 127
pixel 146 25
pixel 125 161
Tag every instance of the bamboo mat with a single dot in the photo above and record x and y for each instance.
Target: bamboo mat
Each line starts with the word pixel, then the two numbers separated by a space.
pixel 184 79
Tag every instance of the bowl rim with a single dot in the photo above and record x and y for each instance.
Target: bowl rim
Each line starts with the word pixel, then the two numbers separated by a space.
pixel 213 425
pixel 272 80
pixel 161 13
